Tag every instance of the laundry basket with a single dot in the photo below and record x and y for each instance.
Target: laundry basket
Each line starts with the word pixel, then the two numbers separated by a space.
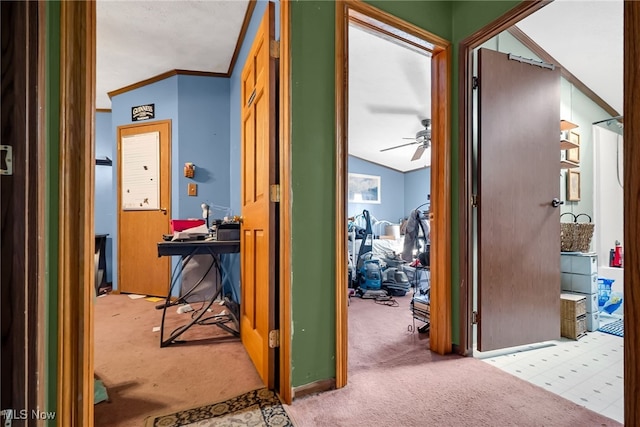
pixel 575 236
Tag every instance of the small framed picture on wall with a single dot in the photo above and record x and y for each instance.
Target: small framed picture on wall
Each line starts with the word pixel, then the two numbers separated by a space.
pixel 364 188
pixel 573 185
pixel 573 154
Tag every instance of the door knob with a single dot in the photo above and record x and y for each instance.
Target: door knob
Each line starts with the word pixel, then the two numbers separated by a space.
pixel 163 210
pixel 556 202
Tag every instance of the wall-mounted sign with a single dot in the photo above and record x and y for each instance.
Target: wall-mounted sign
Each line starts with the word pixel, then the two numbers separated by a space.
pixel 143 112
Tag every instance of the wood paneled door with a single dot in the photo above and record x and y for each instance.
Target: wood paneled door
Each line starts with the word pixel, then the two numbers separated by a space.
pixel 140 227
pixel 259 172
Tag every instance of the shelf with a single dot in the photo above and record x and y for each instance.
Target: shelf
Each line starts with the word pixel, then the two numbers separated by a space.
pixel 566 164
pixel 104 162
pixel 565 144
pixel 566 125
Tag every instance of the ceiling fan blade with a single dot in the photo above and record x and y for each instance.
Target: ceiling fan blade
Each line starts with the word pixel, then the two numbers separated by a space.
pixel 418 153
pixel 398 146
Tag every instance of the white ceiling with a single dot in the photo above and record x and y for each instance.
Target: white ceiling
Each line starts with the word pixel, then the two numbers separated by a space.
pixel 137 40
pixel 586 37
pixel 389 89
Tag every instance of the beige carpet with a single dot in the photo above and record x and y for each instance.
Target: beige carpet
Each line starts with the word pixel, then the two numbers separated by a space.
pixel 143 379
pixel 395 381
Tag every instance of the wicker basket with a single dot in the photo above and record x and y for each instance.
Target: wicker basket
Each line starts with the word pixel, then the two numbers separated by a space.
pixel 575 236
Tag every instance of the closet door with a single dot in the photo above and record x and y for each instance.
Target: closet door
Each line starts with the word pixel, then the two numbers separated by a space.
pixel 518 227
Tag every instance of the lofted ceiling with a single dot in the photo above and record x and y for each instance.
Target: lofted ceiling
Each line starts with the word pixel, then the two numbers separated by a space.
pixel 389 85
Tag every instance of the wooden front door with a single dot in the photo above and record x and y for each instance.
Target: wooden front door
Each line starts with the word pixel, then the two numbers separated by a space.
pixel 141 226
pixel 259 171
pixel 518 228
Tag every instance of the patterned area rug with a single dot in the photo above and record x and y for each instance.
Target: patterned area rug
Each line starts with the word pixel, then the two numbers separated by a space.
pixel 614 328
pixel 256 408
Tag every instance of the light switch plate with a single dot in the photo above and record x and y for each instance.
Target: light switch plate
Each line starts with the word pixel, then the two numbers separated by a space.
pixel 192 189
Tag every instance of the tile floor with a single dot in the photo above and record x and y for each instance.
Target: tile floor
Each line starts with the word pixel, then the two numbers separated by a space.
pixel 588 371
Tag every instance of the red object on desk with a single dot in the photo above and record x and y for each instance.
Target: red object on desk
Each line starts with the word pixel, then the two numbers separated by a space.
pixel 183 224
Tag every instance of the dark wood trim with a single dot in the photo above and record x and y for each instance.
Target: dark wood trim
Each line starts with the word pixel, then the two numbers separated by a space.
pixel 389 36
pixel 285 391
pixel 163 76
pixel 440 216
pixel 241 36
pixel 631 213
pixel 465 173
pixel 387 24
pixel 76 187
pixel 103 110
pixel 342 130
pixel 570 77
pixel 22 192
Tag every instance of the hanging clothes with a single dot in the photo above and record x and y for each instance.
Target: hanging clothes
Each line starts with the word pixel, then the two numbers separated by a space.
pixel 417 228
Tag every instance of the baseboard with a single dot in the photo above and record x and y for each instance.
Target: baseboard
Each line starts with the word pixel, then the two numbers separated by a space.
pixel 313 388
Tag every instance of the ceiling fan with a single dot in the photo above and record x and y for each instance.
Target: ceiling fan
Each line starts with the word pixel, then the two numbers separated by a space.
pixel 423 137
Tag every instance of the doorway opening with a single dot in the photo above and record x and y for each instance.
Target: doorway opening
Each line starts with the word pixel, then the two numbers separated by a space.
pixel 366 26
pixel 556 365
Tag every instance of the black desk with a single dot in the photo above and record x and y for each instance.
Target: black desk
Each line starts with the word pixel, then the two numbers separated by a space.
pixel 100 262
pixel 187 250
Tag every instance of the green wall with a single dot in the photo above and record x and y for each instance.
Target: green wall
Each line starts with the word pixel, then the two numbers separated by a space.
pixel 52 148
pixel 313 166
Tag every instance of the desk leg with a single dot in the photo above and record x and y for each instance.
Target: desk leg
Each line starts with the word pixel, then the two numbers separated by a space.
pixel 218 320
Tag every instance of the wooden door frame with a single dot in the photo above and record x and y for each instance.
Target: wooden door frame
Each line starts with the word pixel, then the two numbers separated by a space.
pixel 631 188
pixel 631 181
pixel 378 20
pixel 75 338
pixel 23 279
pixel 283 355
pixel 465 172
pixel 75 215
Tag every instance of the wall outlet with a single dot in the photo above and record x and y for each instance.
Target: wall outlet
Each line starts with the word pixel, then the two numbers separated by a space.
pixel 192 189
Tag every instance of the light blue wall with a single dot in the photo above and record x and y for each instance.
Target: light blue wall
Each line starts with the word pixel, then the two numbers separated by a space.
pixel 417 185
pixel 105 194
pixel 203 114
pixel 198 108
pixel 234 100
pixel 391 191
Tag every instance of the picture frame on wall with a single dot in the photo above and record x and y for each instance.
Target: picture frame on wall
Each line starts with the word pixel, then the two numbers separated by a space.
pixel 573 185
pixel 573 155
pixel 364 188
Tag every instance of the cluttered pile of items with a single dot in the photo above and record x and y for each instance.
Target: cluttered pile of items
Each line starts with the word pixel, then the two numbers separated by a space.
pixel 224 229
pixel 394 274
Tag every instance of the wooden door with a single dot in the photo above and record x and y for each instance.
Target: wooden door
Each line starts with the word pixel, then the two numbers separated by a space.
pixel 140 271
pixel 518 228
pixel 21 224
pixel 259 171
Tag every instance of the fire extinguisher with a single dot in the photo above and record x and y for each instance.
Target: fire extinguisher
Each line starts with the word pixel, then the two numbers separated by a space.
pixel 617 255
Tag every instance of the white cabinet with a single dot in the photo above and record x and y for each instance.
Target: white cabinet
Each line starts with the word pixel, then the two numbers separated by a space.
pixel 579 275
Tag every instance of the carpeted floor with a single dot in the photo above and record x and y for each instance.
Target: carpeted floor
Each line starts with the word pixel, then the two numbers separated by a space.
pixel 143 379
pixel 256 408
pixel 395 381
